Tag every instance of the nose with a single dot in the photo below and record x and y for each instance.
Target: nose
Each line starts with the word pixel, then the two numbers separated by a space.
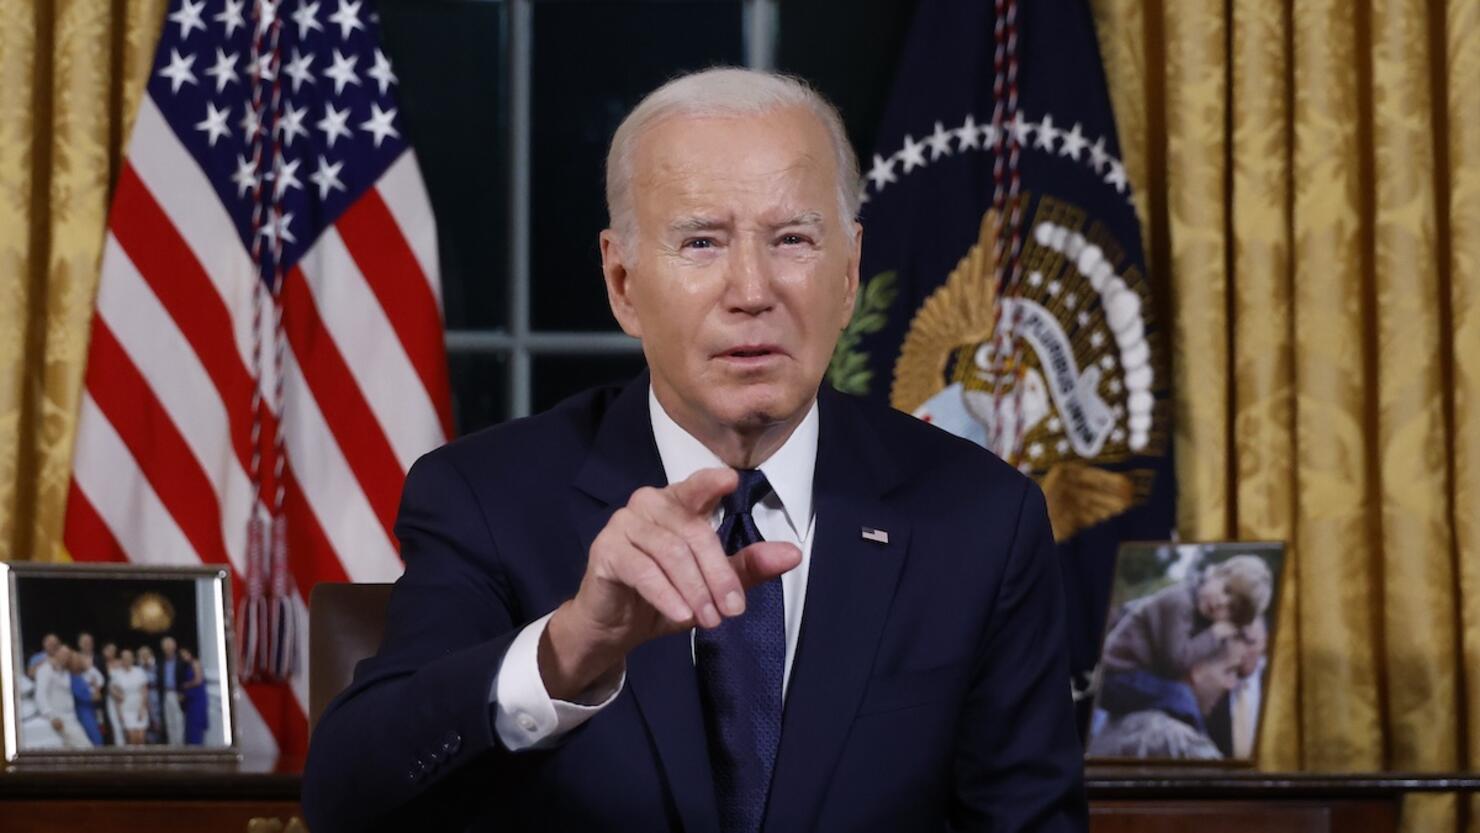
pixel 748 287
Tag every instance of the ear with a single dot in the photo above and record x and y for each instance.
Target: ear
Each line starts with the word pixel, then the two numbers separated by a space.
pixel 855 256
pixel 614 263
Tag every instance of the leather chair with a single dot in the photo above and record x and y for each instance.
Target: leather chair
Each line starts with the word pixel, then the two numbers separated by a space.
pixel 345 625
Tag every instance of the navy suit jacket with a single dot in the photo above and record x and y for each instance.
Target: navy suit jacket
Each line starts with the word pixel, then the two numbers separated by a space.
pixel 929 690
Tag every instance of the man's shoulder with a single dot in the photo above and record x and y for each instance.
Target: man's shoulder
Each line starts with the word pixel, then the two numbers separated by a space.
pixel 928 454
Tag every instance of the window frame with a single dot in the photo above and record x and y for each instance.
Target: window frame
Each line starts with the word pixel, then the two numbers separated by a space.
pixel 518 343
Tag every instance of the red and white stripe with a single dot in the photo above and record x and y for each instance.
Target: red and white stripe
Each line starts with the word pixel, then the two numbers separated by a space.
pixel 161 469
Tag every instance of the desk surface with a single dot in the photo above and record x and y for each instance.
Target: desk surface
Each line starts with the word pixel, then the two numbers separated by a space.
pixel 1200 783
pixel 261 781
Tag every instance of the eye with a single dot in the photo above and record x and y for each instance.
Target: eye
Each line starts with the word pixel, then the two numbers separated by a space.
pixel 793 239
pixel 698 243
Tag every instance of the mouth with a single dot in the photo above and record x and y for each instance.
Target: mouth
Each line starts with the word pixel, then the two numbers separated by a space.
pixel 751 354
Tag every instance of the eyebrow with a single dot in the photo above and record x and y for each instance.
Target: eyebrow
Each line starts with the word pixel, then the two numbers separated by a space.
pixel 806 218
pixel 698 223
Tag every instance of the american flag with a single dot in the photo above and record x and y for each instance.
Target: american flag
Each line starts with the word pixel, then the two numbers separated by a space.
pixel 269 283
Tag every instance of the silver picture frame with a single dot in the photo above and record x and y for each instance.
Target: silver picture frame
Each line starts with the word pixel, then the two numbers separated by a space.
pixel 189 606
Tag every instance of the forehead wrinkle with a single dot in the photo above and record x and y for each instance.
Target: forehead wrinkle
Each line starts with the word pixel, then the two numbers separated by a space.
pixel 704 192
pixel 690 177
pixel 717 199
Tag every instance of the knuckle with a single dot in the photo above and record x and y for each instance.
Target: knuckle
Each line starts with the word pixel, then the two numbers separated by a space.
pixel 620 519
pixel 646 573
pixel 601 547
pixel 703 536
pixel 725 577
pixel 653 582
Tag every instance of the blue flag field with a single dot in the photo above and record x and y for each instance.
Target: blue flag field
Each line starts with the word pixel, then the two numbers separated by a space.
pixel 1004 295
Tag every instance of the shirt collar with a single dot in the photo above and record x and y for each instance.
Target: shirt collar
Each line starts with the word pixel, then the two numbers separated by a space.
pixel 789 470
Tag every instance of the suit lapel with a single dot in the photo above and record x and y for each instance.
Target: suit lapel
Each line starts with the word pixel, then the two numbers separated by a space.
pixel 660 674
pixel 849 588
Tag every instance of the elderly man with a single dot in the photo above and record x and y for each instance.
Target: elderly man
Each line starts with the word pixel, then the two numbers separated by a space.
pixel 1234 723
pixel 720 598
pixel 55 702
pixel 49 645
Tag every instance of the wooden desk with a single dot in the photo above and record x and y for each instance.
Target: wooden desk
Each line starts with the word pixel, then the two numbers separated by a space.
pixel 205 799
pixel 1150 800
pixel 199 798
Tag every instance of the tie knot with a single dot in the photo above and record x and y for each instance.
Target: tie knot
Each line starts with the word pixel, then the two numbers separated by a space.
pixel 752 489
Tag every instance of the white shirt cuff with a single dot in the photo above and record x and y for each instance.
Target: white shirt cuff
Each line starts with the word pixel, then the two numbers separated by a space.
pixel 525 717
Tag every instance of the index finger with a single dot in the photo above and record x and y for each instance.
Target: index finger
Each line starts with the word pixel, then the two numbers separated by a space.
pixel 702 490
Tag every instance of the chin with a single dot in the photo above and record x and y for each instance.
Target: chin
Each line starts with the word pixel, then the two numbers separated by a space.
pixel 756 406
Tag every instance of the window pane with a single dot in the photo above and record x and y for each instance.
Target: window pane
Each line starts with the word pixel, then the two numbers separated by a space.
pixel 856 70
pixel 480 390
pixel 450 58
pixel 559 376
pixel 593 61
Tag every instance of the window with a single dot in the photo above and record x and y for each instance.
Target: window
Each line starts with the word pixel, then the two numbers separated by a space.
pixel 510 105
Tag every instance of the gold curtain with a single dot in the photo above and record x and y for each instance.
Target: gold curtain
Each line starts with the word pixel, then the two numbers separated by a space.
pixel 1309 184
pixel 71 72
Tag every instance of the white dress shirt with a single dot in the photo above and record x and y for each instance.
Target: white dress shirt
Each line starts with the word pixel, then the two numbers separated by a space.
pixel 1243 704
pixel 54 693
pixel 526 717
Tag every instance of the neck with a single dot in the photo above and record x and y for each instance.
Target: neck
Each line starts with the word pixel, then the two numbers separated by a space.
pixel 737 446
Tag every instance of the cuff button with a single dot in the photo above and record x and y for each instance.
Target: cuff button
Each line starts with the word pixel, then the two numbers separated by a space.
pixel 451 743
pixel 526 723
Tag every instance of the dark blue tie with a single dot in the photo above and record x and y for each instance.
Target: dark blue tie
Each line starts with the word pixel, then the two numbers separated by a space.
pixel 740 666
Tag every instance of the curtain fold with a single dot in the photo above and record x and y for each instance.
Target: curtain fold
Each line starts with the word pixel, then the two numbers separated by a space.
pixel 1308 176
pixel 1460 36
pixel 74 71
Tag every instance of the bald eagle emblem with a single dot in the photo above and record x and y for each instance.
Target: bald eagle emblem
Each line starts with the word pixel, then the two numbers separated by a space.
pixel 1073 405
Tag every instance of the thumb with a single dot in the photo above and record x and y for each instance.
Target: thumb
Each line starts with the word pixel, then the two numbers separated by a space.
pixel 703 489
pixel 764 560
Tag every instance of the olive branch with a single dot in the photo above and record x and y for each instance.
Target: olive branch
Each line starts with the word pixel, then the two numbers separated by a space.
pixel 848 370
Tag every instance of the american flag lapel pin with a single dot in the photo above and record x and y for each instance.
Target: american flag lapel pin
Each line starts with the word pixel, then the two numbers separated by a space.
pixel 878 536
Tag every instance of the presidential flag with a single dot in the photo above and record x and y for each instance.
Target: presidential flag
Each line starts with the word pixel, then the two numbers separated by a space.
pixel 266 358
pixel 1003 293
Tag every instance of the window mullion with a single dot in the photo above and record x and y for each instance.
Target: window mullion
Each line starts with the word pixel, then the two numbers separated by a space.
pixel 521 62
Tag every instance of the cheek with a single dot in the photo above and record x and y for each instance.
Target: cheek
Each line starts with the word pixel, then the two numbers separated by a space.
pixel 816 300
pixel 675 304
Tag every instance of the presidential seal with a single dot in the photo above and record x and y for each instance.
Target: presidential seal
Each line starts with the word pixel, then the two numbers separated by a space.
pixel 1071 402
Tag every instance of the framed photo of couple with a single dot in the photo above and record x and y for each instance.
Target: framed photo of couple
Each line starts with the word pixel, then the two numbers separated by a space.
pixel 118 663
pixel 1186 657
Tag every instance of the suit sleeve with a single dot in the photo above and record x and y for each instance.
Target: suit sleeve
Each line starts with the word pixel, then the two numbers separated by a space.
pixel 1188 648
pixel 419 710
pixel 1019 765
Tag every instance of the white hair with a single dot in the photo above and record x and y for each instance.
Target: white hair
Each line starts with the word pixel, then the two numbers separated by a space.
pixel 724 92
